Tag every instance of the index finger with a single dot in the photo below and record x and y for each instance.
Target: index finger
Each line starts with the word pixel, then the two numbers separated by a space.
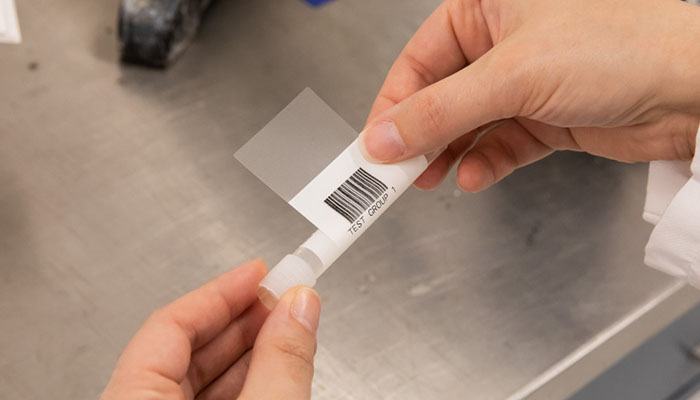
pixel 453 35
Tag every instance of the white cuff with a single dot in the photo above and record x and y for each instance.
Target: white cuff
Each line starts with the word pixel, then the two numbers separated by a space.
pixel 673 204
pixel 666 179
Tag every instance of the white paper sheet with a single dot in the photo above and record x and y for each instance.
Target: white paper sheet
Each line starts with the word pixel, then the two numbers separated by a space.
pixel 9 25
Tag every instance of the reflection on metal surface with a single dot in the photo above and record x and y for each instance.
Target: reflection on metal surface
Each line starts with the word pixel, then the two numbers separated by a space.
pixel 610 345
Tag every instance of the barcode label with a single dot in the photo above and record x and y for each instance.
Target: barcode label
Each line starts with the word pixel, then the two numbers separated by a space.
pixel 355 191
pixel 356 195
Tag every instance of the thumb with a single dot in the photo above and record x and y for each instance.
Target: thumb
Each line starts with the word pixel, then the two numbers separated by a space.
pixel 282 362
pixel 435 116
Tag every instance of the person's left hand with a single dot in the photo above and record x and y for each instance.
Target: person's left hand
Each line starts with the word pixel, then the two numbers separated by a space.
pixel 219 342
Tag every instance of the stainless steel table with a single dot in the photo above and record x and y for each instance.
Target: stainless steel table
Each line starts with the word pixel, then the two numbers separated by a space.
pixel 119 193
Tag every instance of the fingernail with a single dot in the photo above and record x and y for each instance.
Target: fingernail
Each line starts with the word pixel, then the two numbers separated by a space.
pixel 381 142
pixel 306 308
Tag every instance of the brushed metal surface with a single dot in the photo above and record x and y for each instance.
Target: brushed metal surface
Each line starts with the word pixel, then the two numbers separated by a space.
pixel 119 193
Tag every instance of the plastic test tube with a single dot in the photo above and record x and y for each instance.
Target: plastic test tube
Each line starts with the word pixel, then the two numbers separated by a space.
pixel 316 254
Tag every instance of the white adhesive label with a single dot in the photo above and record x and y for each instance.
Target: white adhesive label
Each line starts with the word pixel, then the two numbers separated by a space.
pixel 351 193
pixel 9 27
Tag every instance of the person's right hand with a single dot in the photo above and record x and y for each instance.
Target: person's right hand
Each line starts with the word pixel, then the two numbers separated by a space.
pixel 619 79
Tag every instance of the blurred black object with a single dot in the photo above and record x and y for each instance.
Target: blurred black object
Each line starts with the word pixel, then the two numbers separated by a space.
pixel 156 32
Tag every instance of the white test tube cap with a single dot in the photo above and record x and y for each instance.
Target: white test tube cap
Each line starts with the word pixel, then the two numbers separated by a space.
pixel 289 272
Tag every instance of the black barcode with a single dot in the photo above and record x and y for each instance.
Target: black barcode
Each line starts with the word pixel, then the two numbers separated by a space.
pixel 356 194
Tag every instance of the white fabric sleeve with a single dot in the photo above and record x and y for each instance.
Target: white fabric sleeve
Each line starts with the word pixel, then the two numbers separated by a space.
pixel 673 204
pixel 666 179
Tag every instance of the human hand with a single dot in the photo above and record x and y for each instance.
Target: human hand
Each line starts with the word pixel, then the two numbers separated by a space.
pixel 219 342
pixel 618 79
